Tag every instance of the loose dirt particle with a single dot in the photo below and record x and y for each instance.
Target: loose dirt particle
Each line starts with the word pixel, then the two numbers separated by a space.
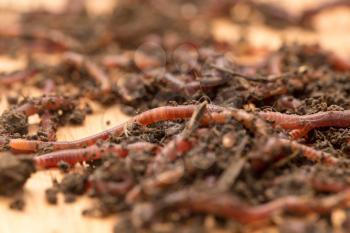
pixel 14 172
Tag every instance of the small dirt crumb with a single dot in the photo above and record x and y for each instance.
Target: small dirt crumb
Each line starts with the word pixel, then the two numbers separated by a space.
pixel 17 204
pixel 69 198
pixel 12 100
pixel 72 185
pixel 63 166
pixel 77 117
pixel 51 195
pixel 13 122
pixel 87 109
pixel 14 172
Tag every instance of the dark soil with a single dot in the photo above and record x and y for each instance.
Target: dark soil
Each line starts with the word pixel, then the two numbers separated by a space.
pixel 187 66
pixel 51 195
pixel 14 172
pixel 13 122
pixel 72 185
pixel 17 204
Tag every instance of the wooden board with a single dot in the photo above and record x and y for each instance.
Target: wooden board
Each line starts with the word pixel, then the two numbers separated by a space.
pixel 39 216
pixel 332 31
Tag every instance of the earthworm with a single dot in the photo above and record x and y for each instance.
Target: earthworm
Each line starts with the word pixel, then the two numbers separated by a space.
pixel 274 149
pixel 54 36
pixel 180 144
pixel 36 105
pixel 230 207
pixel 166 113
pixel 94 152
pixel 303 124
pixel 17 76
pixel 91 67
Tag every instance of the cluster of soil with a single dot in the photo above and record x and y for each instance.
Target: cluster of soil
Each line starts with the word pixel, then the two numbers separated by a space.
pixel 150 54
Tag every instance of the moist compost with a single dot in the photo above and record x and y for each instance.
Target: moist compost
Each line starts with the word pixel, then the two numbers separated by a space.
pixel 213 142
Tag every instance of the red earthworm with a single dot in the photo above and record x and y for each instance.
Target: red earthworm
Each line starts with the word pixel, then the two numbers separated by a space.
pixel 303 124
pixel 180 144
pixel 213 114
pixel 230 207
pixel 17 76
pixel 92 68
pixel 273 150
pixel 145 118
pixel 54 36
pixel 166 113
pixel 35 105
pixel 93 152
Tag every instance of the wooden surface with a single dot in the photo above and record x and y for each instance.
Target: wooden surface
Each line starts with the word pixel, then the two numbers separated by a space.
pixel 39 216
pixel 332 32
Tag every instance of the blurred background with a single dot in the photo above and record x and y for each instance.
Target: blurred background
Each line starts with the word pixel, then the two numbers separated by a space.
pixel 329 27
